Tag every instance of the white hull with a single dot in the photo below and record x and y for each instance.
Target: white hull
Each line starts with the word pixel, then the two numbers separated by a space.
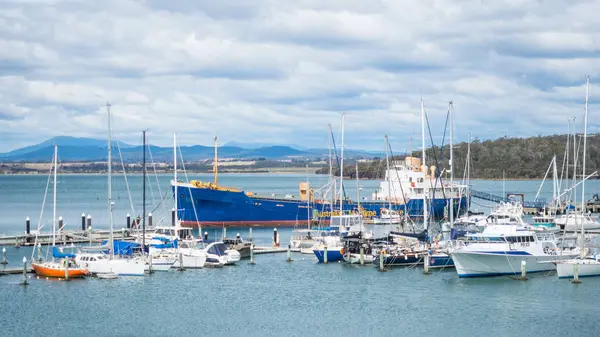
pixel 233 256
pixel 355 258
pixel 471 264
pixel 119 267
pixel 161 264
pixel 587 267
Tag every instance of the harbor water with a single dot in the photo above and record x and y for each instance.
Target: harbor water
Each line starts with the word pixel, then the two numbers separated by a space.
pixel 272 297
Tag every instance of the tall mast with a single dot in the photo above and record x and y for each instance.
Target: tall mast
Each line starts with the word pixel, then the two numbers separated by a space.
pixel 109 163
pixel 358 198
pixel 175 177
pixel 585 119
pixel 144 191
pixel 567 152
pixel 331 178
pixel 451 111
pixel 216 165
pixel 469 172
pixel 342 169
pixel 307 201
pixel 574 166
pixel 54 197
pixel 387 175
pixel 424 169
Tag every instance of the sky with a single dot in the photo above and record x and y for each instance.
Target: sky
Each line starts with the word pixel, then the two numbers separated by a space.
pixel 279 72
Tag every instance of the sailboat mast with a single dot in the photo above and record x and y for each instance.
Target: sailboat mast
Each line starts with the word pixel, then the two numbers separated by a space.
pixel 109 163
pixel 342 169
pixel 54 197
pixel 451 111
pixel 175 177
pixel 331 179
pixel 387 176
pixel 424 168
pixel 216 165
pixel 358 198
pixel 585 119
pixel 144 191
pixel 574 166
pixel 469 173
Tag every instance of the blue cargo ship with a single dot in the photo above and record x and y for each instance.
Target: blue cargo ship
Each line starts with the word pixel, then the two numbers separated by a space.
pixel 207 204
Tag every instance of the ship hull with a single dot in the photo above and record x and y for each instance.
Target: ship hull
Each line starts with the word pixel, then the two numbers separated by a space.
pixel 216 208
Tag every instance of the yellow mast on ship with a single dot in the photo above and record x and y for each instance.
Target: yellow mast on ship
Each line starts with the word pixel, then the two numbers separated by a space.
pixel 216 164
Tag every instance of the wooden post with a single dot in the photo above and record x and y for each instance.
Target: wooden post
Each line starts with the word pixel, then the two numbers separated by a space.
pixel 289 253
pixel 325 254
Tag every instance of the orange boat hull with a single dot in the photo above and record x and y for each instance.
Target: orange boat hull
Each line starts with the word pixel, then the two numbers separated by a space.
pixel 56 271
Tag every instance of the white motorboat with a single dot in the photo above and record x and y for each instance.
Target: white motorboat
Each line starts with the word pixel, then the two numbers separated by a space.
pixel 100 263
pixel 501 249
pixel 573 222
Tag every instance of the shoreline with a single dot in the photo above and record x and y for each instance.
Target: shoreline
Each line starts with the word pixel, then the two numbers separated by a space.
pixel 254 172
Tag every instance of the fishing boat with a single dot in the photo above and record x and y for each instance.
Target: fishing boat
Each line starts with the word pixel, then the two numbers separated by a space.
pixel 63 265
pixel 500 250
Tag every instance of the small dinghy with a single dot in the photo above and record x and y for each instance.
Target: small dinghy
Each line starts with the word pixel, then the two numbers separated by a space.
pixel 107 276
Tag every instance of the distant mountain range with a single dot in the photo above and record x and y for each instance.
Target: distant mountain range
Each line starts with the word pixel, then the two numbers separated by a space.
pixel 72 149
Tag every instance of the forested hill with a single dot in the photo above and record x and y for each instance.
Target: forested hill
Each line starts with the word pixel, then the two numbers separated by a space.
pixel 519 158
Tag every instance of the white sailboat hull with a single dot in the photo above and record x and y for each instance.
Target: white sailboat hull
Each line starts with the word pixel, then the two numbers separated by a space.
pixel 475 264
pixel 119 267
pixel 587 268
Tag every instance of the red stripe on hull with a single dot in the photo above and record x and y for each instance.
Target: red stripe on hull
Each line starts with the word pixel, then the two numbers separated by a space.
pixel 217 224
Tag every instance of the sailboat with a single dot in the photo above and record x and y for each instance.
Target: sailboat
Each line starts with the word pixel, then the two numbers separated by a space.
pixel 331 245
pixel 63 265
pixel 100 263
pixel 585 265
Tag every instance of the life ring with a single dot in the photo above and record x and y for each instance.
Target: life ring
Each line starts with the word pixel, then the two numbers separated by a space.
pixel 342 251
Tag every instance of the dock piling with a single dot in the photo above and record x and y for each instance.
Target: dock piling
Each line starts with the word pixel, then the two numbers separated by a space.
pixel 149 219
pixel 205 236
pixel 89 221
pixel 61 223
pixel 251 253
pixel 149 263
pixel 4 256
pixel 362 255
pixel 575 274
pixel 381 260
pixel 27 226
pixel 250 234
pixel 289 253
pixel 66 270
pixel 83 221
pixel 274 237
pixel 181 262
pixel 24 271
pixel 173 217
pixel 39 252
pixel 426 264
pixel 128 221
pixel 325 254
pixel 523 270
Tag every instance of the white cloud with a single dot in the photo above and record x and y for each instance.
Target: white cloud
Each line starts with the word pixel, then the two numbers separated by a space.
pixel 279 72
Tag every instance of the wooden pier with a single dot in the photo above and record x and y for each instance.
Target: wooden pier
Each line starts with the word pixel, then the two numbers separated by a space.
pixel 64 237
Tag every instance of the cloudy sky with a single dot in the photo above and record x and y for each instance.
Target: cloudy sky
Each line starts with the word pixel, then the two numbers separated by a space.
pixel 279 71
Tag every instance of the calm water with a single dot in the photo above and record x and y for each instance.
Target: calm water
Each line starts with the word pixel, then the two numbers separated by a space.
pixel 273 297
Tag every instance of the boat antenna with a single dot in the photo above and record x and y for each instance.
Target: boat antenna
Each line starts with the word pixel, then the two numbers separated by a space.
pixel 216 164
pixel 110 217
